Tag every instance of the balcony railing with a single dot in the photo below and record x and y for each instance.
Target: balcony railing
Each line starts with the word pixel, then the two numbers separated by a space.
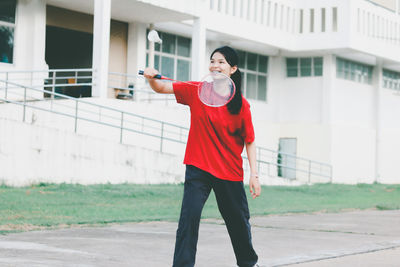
pixel 72 82
pixel 377 22
pixel 328 24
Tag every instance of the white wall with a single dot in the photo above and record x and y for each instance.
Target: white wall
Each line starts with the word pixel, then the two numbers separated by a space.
pixel 389 156
pixel 389 137
pixel 353 103
pixel 353 154
pixel 301 99
pixel 353 132
pixel 390 109
pixel 31 154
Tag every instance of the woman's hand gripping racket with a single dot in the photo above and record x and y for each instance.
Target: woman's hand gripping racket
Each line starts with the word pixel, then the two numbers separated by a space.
pixel 215 89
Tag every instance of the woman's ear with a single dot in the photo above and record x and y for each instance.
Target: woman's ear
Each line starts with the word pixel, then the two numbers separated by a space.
pixel 233 69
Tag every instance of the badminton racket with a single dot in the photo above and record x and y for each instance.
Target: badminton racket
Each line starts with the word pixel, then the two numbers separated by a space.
pixel 215 89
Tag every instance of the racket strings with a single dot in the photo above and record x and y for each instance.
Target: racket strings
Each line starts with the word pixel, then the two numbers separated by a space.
pixel 216 89
pixel 210 96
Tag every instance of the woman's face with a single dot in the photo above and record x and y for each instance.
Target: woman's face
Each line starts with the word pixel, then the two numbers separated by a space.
pixel 218 63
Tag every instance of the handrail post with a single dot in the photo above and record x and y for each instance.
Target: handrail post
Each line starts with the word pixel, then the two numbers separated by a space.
pixel 258 161
pixel 23 118
pixel 162 137
pixel 122 126
pixel 54 84
pixel 76 115
pixel 309 171
pixel 5 92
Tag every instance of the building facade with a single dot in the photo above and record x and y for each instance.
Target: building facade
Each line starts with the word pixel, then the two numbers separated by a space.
pixel 322 77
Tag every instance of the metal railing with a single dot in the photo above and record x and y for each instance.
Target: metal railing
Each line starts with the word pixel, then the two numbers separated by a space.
pixel 126 122
pixel 82 110
pixel 72 82
pixel 293 167
pixel 393 9
pixel 133 87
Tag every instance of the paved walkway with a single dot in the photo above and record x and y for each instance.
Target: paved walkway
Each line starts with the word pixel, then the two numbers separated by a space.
pixel 359 238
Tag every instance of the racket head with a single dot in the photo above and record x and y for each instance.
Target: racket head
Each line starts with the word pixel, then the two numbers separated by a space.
pixel 216 89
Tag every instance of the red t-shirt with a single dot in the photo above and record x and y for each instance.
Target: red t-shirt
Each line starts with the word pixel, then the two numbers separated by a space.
pixel 216 137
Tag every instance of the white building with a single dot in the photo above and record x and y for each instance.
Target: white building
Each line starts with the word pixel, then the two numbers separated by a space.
pixel 322 76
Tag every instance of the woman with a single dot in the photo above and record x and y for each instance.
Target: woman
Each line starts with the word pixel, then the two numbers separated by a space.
pixel 213 161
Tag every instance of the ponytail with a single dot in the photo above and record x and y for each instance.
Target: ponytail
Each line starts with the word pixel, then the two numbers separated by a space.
pixel 235 105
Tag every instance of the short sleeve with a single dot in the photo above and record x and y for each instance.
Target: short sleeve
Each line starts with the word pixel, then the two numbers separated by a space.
pixel 184 92
pixel 247 125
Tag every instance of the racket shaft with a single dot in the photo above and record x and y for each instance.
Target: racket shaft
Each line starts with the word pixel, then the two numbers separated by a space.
pixel 157 76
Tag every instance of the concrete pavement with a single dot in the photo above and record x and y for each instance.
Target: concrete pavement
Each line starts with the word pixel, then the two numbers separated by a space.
pixel 357 238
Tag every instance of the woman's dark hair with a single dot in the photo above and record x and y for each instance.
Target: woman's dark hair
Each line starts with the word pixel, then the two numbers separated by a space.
pixel 231 56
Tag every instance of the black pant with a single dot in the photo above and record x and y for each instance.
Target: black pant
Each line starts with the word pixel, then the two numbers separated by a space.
pixel 232 204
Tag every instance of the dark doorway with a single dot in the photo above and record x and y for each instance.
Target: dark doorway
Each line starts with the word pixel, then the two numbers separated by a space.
pixel 69 49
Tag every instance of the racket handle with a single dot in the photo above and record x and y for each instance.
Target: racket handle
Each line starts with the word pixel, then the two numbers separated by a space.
pixel 158 76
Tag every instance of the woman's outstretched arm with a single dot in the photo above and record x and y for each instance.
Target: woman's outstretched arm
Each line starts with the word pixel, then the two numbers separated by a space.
pixel 157 85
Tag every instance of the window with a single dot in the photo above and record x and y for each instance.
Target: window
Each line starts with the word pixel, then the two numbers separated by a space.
pixel 7 26
pixel 172 56
pixel 254 68
pixel 353 71
pixel 301 21
pixel 311 20
pixel 335 19
pixel 304 67
pixel 292 67
pixel 318 62
pixel 391 79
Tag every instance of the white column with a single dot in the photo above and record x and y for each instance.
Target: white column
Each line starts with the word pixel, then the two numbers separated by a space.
pixel 328 85
pixel 30 41
pixel 136 50
pixel 276 74
pixel 198 49
pixel 101 46
pixel 397 6
pixel 377 83
pixel 327 106
pixel 151 48
pixel 30 34
pixel 39 24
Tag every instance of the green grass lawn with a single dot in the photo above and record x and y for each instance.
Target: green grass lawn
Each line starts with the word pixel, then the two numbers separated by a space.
pixel 50 205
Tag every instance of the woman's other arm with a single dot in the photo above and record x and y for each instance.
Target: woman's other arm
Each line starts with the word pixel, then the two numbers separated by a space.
pixel 254 183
